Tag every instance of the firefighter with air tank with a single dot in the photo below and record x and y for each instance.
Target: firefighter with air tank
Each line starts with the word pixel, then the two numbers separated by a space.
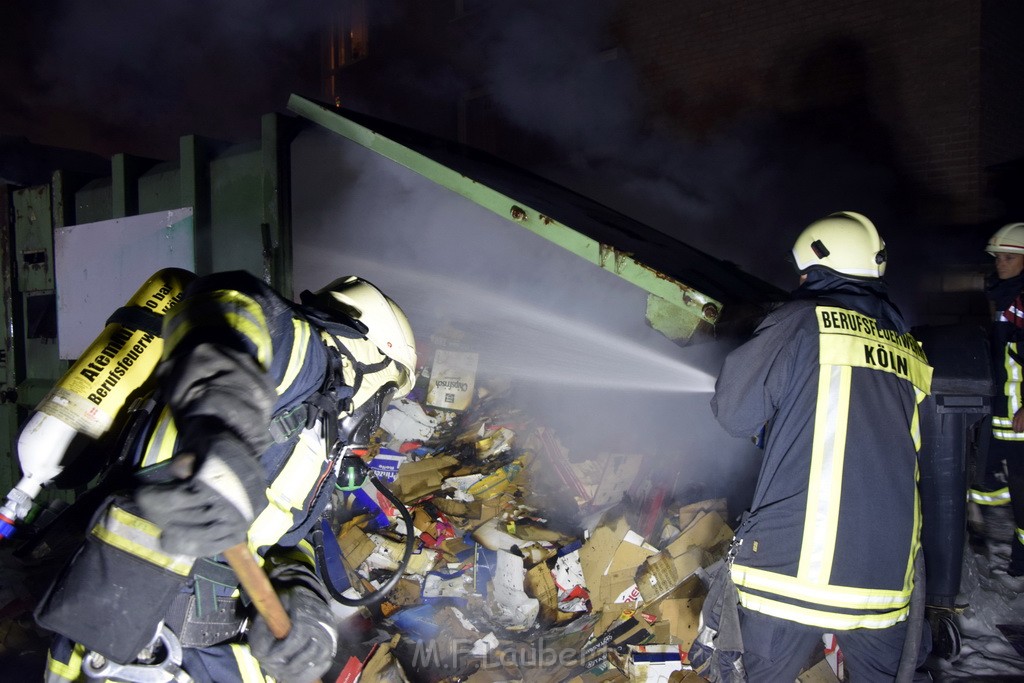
pixel 257 400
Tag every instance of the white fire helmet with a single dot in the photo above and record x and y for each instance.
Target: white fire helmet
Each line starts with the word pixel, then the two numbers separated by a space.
pixel 1008 239
pixel 844 242
pixel 388 326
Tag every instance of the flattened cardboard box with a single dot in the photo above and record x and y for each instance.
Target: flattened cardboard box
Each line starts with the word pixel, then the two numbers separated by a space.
pixel 381 664
pixel 662 573
pixel 609 561
pixel 355 546
pixel 682 616
pixel 706 530
pixel 541 585
pixel 458 508
pixel 688 513
pixel 423 477
pixel 819 673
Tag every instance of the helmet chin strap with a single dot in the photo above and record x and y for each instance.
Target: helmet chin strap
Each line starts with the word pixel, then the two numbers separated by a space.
pixel 356 428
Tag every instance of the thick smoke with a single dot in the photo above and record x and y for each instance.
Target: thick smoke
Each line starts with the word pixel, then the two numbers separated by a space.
pixel 127 76
pixel 740 193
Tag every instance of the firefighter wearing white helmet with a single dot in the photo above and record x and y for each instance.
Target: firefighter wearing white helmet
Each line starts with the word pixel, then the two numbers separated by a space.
pixel 389 329
pixel 264 393
pixel 845 242
pixel 832 379
pixel 1008 239
pixel 993 488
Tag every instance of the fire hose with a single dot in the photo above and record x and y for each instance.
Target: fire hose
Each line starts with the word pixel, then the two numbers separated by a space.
pixel 915 623
pixel 354 472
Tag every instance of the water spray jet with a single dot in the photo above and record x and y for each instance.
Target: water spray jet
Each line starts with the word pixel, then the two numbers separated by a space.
pixel 522 340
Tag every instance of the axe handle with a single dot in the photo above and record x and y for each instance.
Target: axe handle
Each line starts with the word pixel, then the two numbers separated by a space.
pixel 253 579
pixel 250 575
pixel 256 584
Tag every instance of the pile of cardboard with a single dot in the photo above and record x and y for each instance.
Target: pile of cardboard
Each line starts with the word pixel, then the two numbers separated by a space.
pixel 529 563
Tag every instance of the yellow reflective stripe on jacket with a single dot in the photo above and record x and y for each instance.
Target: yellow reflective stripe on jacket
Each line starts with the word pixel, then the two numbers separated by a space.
pixel 821 519
pixel 241 313
pixel 139 537
pixel 995 498
pixel 300 340
pixel 819 618
pixel 289 489
pixel 71 670
pixel 1020 535
pixel 843 597
pixel 302 553
pixel 915 543
pixel 163 440
pixel 849 338
pixel 1011 389
pixel 915 421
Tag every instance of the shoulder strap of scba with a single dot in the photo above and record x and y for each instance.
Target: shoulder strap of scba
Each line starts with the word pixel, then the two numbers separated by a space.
pixel 333 395
pixel 137 318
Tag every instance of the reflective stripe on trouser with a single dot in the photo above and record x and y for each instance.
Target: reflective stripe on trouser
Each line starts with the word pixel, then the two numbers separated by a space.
pixel 64 661
pixel 1002 428
pixel 992 498
pixel 777 649
pixel 219 664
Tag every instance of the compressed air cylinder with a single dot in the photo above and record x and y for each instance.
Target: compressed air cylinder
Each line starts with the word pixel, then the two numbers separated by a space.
pixel 91 395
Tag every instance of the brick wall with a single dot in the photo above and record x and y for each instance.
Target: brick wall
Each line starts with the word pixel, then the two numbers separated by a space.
pixel 938 78
pixel 1002 103
pixel 914 63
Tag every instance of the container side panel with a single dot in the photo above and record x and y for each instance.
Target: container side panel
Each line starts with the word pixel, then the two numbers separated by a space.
pixel 94 202
pixel 572 336
pixel 236 213
pixel 160 190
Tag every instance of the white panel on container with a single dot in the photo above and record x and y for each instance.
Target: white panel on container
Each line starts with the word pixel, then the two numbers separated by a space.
pixel 99 266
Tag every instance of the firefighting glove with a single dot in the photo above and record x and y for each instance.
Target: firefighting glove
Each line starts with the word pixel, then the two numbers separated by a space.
pixel 208 512
pixel 307 652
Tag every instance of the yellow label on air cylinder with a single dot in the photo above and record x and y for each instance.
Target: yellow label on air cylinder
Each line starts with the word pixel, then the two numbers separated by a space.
pixel 94 390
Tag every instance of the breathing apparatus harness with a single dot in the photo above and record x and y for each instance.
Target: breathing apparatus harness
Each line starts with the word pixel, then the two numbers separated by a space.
pixel 346 437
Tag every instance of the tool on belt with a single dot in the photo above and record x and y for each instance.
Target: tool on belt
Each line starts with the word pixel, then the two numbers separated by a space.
pixel 165 651
pixel 165 667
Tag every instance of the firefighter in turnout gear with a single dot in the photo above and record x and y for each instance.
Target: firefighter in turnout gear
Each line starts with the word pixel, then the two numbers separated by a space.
pixel 834 378
pixel 261 394
pixel 999 487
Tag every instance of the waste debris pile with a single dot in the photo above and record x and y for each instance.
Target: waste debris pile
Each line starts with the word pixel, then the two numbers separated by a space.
pixel 530 563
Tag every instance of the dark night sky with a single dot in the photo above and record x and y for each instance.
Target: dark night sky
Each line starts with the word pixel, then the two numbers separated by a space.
pixel 127 76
